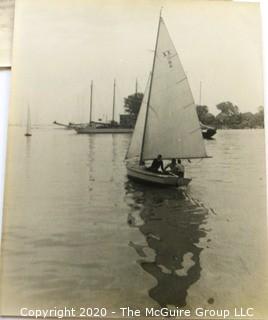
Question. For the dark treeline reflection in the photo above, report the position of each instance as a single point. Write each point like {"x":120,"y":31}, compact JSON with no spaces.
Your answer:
{"x":172,"y":223}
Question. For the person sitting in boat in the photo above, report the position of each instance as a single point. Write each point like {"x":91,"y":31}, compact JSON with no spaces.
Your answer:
{"x":176,"y":168}
{"x":172,"y":166}
{"x":180,"y":167}
{"x":156,"y":164}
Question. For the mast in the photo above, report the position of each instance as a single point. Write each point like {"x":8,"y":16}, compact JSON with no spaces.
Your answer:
{"x":28,"y":126}
{"x":113,"y":102}
{"x":136,"y":87}
{"x":150,"y":89}
{"x":91,"y":99}
{"x":28,"y":120}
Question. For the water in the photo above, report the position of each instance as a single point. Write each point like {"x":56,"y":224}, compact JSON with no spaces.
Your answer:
{"x":77,"y":232}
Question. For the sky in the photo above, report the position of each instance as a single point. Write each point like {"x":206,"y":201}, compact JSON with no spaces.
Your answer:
{"x":61,"y":45}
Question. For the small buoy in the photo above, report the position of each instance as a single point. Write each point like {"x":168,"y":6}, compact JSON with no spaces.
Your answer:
{"x":210,"y":300}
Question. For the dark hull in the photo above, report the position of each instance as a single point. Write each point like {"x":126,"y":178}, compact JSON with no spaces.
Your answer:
{"x":87,"y":130}
{"x":208,"y":133}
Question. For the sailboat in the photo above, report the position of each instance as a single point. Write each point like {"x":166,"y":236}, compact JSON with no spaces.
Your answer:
{"x":167,"y":122}
{"x":28,"y":126}
{"x":207,"y":131}
{"x":94,"y":127}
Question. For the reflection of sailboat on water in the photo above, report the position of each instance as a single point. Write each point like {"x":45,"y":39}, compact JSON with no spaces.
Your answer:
{"x":167,"y":123}
{"x":28,"y":126}
{"x":173,"y":224}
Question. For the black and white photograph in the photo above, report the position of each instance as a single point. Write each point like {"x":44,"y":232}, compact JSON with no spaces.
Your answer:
{"x":135,"y":179}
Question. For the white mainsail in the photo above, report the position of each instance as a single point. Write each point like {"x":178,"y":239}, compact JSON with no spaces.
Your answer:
{"x":171,"y":127}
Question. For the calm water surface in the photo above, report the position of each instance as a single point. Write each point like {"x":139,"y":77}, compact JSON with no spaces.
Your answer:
{"x":77,"y":232}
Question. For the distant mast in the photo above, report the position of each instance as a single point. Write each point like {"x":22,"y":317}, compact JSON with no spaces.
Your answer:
{"x":136,"y":87}
{"x":91,"y":99}
{"x":113,"y":102}
{"x":200,"y":93}
{"x":28,"y":127}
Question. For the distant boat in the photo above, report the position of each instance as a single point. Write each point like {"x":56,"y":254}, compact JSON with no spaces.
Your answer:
{"x":28,"y":126}
{"x":207,"y":131}
{"x":167,"y":122}
{"x":70,"y":125}
{"x":94,"y":127}
{"x":102,"y":129}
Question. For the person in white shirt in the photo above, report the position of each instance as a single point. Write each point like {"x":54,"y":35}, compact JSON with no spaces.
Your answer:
{"x":180,"y":168}
{"x":175,"y":168}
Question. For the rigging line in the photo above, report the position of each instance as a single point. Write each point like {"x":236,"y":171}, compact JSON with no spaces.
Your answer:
{"x":193,"y":131}
{"x":156,"y":114}
{"x":188,"y":105}
{"x":185,"y":78}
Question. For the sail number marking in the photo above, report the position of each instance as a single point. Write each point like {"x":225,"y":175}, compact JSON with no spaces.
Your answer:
{"x":167,"y":54}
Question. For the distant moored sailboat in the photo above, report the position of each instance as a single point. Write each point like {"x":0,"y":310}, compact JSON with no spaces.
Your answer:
{"x":95,"y":127}
{"x":28,"y":127}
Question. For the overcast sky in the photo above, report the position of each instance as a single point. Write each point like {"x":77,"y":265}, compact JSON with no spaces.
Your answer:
{"x":61,"y":45}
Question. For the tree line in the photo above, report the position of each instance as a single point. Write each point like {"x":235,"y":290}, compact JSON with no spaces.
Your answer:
{"x":229,"y":116}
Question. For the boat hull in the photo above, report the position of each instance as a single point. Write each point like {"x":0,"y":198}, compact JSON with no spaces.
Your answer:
{"x":70,"y":126}
{"x":102,"y":130}
{"x":139,"y":173}
{"x":209,"y":133}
